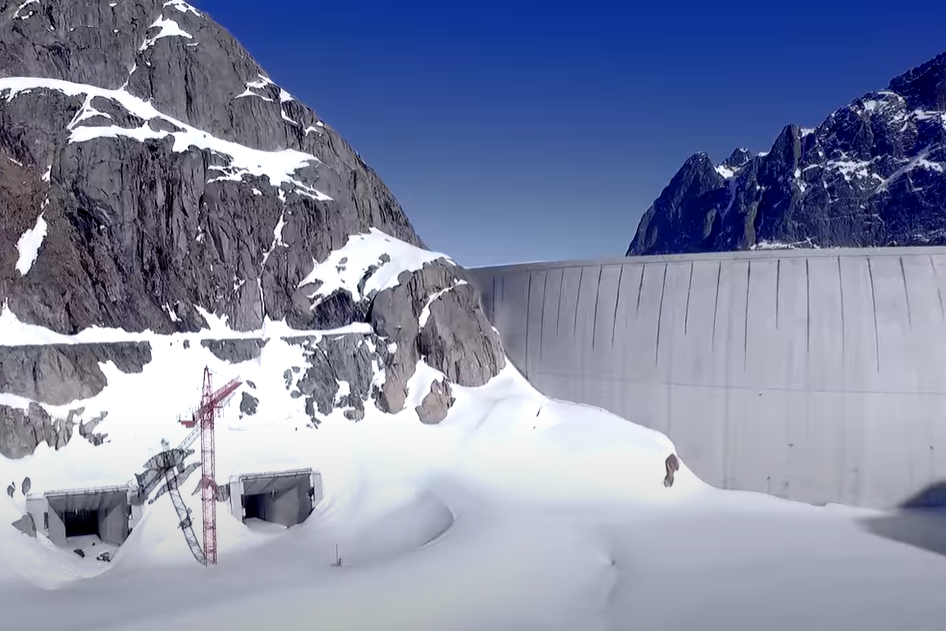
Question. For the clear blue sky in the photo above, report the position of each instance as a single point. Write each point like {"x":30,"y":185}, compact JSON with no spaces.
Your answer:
{"x":523,"y":130}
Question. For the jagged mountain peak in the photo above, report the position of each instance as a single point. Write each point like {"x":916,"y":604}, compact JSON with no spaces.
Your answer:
{"x":871,"y":174}
{"x":923,"y":87}
{"x":155,"y":182}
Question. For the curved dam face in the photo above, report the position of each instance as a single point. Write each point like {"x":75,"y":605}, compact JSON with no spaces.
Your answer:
{"x":817,"y":376}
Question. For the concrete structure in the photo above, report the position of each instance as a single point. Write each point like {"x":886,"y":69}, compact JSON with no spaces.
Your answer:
{"x":812,"y":375}
{"x":279,"y":497}
{"x":106,"y":512}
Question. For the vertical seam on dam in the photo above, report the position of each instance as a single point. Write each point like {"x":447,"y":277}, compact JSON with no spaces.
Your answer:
{"x":843,"y":323}
{"x":719,"y":273}
{"x":545,"y":297}
{"x":558,"y":313}
{"x":939,"y":292}
{"x":906,"y":293}
{"x":492,"y":306}
{"x":528,"y":320}
{"x":873,"y":301}
{"x":686,"y":315}
{"x":640,"y":288}
{"x":581,"y":277}
{"x":594,"y":322}
{"x":778,"y":289}
{"x":660,"y":311}
{"x":745,"y":330}
{"x":807,"y":309}
{"x":617,"y":303}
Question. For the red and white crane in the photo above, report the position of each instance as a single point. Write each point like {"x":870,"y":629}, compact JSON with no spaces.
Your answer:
{"x":211,"y":403}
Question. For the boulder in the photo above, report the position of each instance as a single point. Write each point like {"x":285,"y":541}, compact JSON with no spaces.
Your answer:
{"x":436,"y":404}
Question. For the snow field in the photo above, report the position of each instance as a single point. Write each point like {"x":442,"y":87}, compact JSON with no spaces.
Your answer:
{"x":517,"y":512}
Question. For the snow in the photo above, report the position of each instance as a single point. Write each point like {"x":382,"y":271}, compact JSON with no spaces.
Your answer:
{"x":284,"y":97}
{"x":13,"y":332}
{"x":277,"y":236}
{"x":259,"y":84}
{"x":854,"y":168}
{"x":781,"y":245}
{"x":169,"y":28}
{"x":277,"y":166}
{"x":725,"y":171}
{"x":249,"y":92}
{"x":85,"y":113}
{"x":22,"y":6}
{"x":919,"y":162}
{"x":29,"y":244}
{"x":183,"y":7}
{"x":345,"y":267}
{"x":517,"y":512}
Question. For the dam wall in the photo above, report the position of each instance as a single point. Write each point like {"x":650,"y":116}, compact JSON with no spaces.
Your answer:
{"x":815,"y":375}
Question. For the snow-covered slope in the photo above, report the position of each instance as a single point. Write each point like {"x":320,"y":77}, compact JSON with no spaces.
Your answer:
{"x":517,"y":512}
{"x":166,"y":207}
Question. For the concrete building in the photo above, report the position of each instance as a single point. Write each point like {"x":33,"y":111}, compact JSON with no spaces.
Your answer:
{"x":279,"y":497}
{"x":111,"y":513}
{"x":812,"y":375}
{"x":108,"y":513}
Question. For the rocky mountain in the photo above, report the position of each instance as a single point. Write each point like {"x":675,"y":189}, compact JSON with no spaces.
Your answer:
{"x":154,"y":178}
{"x":872,"y":174}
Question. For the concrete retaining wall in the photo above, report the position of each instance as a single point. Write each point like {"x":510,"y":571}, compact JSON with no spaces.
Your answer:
{"x":818,"y":375}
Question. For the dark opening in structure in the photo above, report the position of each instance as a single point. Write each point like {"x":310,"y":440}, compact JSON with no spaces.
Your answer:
{"x":284,"y":499}
{"x":104,"y":513}
{"x":81,"y":523}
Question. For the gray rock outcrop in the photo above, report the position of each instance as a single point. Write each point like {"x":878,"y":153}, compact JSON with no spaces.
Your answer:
{"x":235,"y":351}
{"x":21,"y":431}
{"x":457,"y":339}
{"x":437,"y":403}
{"x":248,"y":404}
{"x":140,"y":233}
{"x":332,"y":360}
{"x":58,"y":374}
{"x":163,"y":218}
{"x":26,"y":525}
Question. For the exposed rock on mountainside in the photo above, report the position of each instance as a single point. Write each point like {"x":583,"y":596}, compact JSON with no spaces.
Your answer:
{"x":872,"y":174}
{"x":437,"y":403}
{"x":153,"y":178}
{"x":60,"y":373}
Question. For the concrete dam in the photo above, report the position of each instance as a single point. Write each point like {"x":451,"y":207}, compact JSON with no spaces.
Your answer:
{"x":815,"y":375}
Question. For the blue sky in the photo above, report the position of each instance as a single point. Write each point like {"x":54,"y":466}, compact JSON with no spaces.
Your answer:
{"x":511,"y":133}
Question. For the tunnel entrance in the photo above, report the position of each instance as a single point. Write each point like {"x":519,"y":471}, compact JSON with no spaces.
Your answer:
{"x":283,"y":498}
{"x":81,"y":523}
{"x":104,"y":514}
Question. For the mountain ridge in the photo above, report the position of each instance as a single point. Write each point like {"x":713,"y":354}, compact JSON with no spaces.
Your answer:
{"x":155,"y":180}
{"x":871,"y":174}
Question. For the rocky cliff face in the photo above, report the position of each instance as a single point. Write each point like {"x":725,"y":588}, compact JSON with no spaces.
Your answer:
{"x":152,"y":175}
{"x":872,"y":174}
